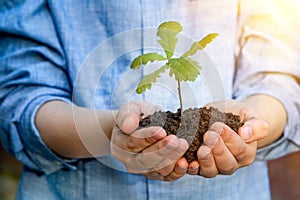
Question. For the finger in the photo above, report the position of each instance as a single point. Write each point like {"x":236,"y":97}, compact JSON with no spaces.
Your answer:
{"x":154,"y":175}
{"x":224,"y":160}
{"x":179,"y":170}
{"x":208,"y":167}
{"x":124,"y":145}
{"x":128,"y":117}
{"x":247,"y":113}
{"x":165,"y":171}
{"x":138,"y":140}
{"x":154,"y":154}
{"x":254,"y":129}
{"x":173,"y":156}
{"x":242,"y":152}
{"x":193,"y":168}
{"x":143,"y":138}
{"x":130,"y":114}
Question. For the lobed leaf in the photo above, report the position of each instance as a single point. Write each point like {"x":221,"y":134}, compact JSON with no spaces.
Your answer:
{"x":184,"y":69}
{"x":196,"y":46}
{"x":145,"y":58}
{"x":167,"y":32}
{"x":146,"y":82}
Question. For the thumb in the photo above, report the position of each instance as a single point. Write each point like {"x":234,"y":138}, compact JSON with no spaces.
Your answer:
{"x":128,"y":117}
{"x":254,"y":129}
{"x":130,"y":114}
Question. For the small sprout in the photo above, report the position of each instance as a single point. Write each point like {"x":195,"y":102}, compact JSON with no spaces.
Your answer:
{"x":183,"y":68}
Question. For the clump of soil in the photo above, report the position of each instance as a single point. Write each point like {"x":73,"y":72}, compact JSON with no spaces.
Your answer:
{"x":191,"y":125}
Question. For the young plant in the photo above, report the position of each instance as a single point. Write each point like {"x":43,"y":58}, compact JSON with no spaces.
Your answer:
{"x":184,"y":68}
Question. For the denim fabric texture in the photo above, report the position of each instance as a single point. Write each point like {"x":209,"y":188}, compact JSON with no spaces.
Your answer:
{"x":79,"y":51}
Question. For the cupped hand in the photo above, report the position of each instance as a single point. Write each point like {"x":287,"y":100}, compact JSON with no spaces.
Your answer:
{"x":148,"y":151}
{"x":225,"y":151}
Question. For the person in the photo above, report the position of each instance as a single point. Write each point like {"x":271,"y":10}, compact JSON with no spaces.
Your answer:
{"x":70,"y":115}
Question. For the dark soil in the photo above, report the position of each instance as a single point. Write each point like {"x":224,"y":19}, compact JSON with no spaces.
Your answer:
{"x":191,"y":125}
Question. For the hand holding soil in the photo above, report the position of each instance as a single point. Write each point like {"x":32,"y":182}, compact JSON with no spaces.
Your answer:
{"x":225,"y":151}
{"x":151,"y":152}
{"x":147,"y":151}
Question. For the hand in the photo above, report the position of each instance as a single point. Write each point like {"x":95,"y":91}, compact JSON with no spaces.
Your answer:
{"x":147,"y":151}
{"x":224,"y":151}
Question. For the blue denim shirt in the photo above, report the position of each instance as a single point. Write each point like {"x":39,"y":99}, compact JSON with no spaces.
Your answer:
{"x":79,"y":51}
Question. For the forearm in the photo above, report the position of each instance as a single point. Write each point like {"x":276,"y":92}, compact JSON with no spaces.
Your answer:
{"x":75,"y":132}
{"x":273,"y":112}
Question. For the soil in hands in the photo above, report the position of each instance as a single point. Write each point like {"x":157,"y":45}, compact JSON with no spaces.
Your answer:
{"x":191,"y":125}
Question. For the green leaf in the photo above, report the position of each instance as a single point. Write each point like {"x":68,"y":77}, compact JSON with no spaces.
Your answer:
{"x":146,"y":82}
{"x":145,"y":58}
{"x":184,"y":69}
{"x":167,"y":32}
{"x":200,"y":44}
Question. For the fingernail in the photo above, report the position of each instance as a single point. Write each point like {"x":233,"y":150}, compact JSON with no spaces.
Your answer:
{"x":205,"y":153}
{"x":246,"y":132}
{"x":211,"y":141}
{"x":128,"y":125}
{"x":181,"y":169}
{"x":172,"y":142}
{"x":183,"y":144}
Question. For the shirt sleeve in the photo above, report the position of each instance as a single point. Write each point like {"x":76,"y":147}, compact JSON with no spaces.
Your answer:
{"x":268,"y":63}
{"x":33,"y":71}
